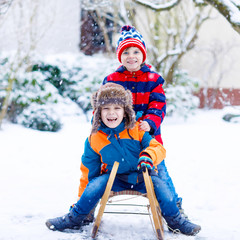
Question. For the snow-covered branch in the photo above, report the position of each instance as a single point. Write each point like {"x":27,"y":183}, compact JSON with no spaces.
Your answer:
{"x":4,"y":6}
{"x":158,"y":6}
{"x":230,"y":9}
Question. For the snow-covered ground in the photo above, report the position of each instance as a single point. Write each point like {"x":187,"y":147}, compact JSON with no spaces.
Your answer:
{"x":39,"y":176}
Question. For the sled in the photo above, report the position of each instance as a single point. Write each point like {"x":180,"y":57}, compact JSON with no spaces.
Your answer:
{"x":154,"y":205}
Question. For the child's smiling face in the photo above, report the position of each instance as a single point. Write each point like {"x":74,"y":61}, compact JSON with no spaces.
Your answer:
{"x":112,"y":115}
{"x":132,"y":58}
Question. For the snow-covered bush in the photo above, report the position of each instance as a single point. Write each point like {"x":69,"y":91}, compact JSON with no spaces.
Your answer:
{"x":40,"y":117}
{"x":180,"y":95}
{"x":39,"y":88}
{"x":79,"y":77}
{"x":30,"y":93}
{"x":37,"y":99}
{"x":52,"y":81}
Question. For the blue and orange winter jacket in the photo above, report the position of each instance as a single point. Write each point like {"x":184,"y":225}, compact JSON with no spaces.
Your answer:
{"x":149,"y":99}
{"x":125,"y":146}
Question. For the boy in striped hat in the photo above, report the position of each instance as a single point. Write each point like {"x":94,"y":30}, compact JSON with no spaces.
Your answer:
{"x":149,"y":99}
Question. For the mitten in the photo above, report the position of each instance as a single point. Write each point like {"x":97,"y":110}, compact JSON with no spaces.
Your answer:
{"x":145,"y":162}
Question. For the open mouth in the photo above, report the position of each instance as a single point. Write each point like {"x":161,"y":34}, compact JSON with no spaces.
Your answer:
{"x":131,"y":61}
{"x":112,"y":119}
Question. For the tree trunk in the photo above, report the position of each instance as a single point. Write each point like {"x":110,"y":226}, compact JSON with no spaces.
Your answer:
{"x":6,"y":100}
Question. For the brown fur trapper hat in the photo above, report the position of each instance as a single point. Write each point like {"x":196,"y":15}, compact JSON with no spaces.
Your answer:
{"x":112,"y":93}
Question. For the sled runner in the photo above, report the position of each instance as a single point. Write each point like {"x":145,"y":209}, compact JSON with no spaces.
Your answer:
{"x":154,"y":205}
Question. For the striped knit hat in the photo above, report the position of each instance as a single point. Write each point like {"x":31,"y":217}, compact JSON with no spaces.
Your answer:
{"x":130,"y":37}
{"x":112,"y":93}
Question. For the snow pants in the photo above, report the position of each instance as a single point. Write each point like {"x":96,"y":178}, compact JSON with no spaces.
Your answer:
{"x":95,"y":190}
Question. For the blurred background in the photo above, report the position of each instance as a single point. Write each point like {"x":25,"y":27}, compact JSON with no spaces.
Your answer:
{"x":56,"y":52}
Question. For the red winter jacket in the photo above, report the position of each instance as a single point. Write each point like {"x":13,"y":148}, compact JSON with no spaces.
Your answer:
{"x":149,"y":99}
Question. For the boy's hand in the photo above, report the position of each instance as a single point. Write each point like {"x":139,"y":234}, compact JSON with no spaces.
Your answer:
{"x":144,"y":126}
{"x":145,"y":162}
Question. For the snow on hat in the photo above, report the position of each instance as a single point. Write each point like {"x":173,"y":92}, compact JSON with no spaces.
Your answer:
{"x":130,"y":37}
{"x":112,"y":93}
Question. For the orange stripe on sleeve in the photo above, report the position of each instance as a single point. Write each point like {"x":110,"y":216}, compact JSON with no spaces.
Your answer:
{"x":83,"y":180}
{"x":156,"y":151}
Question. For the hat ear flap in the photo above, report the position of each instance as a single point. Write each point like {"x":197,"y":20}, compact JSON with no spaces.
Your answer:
{"x":130,"y":117}
{"x":96,"y":120}
{"x":94,"y":100}
{"x":129,"y":101}
{"x":130,"y":113}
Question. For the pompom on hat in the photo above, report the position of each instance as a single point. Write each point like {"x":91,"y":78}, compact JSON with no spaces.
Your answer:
{"x":112,"y":93}
{"x":130,"y":37}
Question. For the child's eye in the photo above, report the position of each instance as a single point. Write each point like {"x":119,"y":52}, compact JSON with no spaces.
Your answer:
{"x":125,"y":53}
{"x":136,"y":52}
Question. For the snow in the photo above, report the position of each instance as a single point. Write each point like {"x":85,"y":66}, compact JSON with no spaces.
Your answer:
{"x":39,"y":176}
{"x":233,"y":7}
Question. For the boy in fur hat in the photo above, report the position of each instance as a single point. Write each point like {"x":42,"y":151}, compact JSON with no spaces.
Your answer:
{"x":149,"y":101}
{"x":116,"y":137}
